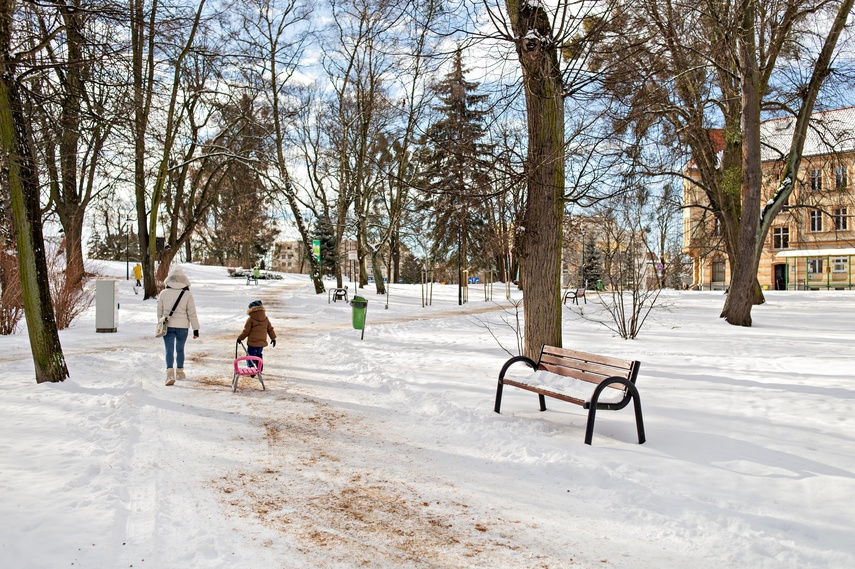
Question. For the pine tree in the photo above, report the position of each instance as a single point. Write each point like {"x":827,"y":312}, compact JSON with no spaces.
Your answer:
{"x":325,"y":232}
{"x":592,"y":265}
{"x":454,"y":164}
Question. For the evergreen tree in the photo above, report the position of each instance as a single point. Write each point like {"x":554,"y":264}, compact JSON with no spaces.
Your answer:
{"x":240,"y":227}
{"x":454,"y":165}
{"x":592,"y":264}
{"x":325,"y":233}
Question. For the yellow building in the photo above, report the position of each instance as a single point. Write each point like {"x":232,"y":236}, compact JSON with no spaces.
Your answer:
{"x":811,"y":244}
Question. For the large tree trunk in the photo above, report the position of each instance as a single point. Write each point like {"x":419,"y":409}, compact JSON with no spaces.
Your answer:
{"x":379,"y":284}
{"x":143,"y":69}
{"x":68,"y":146}
{"x":539,"y":238}
{"x":754,"y":227}
{"x":741,"y":294}
{"x":24,"y":188}
{"x":165,"y":263}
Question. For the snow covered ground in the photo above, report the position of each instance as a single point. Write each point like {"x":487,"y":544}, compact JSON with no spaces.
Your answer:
{"x":385,"y":452}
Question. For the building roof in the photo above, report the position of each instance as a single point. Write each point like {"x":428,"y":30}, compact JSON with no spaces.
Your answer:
{"x":845,"y":252}
{"x":829,"y":132}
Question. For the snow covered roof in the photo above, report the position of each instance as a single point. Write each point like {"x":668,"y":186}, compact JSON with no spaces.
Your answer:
{"x":829,"y":132}
{"x":818,"y":252}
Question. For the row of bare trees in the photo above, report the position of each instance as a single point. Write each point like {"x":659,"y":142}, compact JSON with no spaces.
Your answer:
{"x":186,"y":117}
{"x":673,"y":72}
{"x":136,"y":103}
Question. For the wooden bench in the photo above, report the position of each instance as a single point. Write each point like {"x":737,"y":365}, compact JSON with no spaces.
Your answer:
{"x":589,"y":380}
{"x":575,"y":295}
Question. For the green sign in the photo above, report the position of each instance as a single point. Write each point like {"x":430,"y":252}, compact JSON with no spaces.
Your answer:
{"x":316,"y":249}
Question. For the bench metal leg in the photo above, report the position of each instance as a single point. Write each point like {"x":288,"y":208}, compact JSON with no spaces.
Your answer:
{"x":498,"y":405}
{"x":589,"y":430}
{"x":639,"y":422}
{"x":636,"y":402}
{"x":542,"y":402}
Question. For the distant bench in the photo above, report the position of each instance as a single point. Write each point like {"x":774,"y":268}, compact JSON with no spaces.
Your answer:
{"x":575,"y":295}
{"x":589,"y":380}
{"x":337,"y":294}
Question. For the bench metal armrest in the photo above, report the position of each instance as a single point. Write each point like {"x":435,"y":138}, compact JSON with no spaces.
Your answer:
{"x":526,"y":360}
{"x":516,"y":359}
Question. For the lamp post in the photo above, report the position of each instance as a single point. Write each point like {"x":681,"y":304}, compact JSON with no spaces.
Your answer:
{"x":127,"y":248}
{"x":582,"y":261}
{"x":128,"y":245}
{"x":459,"y":268}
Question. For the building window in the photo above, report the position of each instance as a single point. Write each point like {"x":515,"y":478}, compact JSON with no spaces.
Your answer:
{"x":815,"y":220}
{"x":839,"y":265}
{"x":815,"y":266}
{"x":718,"y":271}
{"x":816,"y":180}
{"x":841,"y":222}
{"x":780,"y":237}
{"x":716,"y":230}
{"x":840,"y":177}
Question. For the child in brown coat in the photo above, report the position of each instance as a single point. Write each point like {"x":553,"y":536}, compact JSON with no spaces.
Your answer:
{"x":256,"y":330}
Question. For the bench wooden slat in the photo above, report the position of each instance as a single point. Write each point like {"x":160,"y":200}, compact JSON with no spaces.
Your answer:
{"x":584,"y":356}
{"x":594,"y":370}
{"x":580,"y":374}
{"x":562,"y":396}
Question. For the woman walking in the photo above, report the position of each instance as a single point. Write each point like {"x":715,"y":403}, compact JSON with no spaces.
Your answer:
{"x":176,"y":297}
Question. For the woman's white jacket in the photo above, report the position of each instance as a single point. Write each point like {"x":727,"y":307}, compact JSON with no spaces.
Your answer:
{"x":185,"y":313}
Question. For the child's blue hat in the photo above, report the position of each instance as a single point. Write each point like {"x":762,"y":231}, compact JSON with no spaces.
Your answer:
{"x":254,"y":303}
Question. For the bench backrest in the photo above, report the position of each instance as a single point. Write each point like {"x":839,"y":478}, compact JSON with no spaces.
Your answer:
{"x":592,"y":368}
{"x":580,"y":292}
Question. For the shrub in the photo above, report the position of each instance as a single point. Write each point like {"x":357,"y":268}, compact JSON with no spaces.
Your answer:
{"x":69,"y":301}
{"x":11,"y":302}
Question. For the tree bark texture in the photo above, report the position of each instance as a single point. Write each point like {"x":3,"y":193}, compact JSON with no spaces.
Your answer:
{"x":24,"y":188}
{"x":538,"y":241}
{"x":142,"y":39}
{"x":71,"y":203}
{"x":743,"y":279}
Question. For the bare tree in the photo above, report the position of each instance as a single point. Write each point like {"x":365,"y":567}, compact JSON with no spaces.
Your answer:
{"x":272,"y":40}
{"x":553,"y":47}
{"x":358,"y":68}
{"x":705,"y":64}
{"x":634,"y":288}
{"x":16,"y":142}
{"x":75,"y":104}
{"x":756,"y":64}
{"x":11,"y":303}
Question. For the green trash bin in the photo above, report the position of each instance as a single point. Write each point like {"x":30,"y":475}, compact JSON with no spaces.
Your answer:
{"x":359,"y":305}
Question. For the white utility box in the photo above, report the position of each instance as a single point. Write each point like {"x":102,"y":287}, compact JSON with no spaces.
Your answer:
{"x":106,"y":306}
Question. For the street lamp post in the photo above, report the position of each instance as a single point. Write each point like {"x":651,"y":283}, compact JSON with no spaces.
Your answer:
{"x":582,"y":282}
{"x":459,"y":268}
{"x":127,"y":249}
{"x":128,"y":245}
